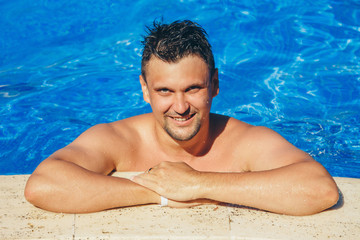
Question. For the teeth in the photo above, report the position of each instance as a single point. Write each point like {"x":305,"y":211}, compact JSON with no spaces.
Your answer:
{"x":181,"y":119}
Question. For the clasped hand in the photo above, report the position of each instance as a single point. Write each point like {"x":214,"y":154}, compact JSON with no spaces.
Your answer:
{"x":174,"y":180}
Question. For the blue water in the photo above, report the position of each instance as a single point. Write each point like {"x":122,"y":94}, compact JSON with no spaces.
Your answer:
{"x":290,"y":65}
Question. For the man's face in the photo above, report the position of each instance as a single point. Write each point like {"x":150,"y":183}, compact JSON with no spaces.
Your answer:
{"x":180,"y":94}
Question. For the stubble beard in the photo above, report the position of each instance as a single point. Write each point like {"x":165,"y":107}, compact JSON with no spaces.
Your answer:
{"x":183,"y":134}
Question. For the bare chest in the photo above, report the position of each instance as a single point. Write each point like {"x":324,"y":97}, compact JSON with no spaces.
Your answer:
{"x":220,"y":158}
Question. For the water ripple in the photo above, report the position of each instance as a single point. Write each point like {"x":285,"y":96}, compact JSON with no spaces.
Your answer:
{"x":291,"y":66}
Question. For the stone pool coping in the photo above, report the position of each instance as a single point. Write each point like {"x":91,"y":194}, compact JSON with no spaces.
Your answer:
{"x":21,"y":220}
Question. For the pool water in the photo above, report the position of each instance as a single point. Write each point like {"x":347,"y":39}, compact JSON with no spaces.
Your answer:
{"x":292,"y":66}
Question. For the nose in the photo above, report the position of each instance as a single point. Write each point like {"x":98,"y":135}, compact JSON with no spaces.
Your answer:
{"x":180,"y":106}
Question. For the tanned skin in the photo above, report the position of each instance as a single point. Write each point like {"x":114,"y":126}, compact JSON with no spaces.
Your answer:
{"x":195,"y":157}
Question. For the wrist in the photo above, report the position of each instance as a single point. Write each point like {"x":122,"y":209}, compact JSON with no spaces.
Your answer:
{"x":203,"y":185}
{"x":149,"y":196}
{"x":163,"y":201}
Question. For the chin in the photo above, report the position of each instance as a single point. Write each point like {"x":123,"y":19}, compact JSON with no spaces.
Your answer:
{"x":182,"y":137}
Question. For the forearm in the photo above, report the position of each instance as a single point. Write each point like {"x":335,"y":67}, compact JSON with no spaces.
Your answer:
{"x":278,"y":190}
{"x":66,"y":187}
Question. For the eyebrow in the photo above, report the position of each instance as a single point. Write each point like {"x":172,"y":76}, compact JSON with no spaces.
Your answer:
{"x":200,"y":85}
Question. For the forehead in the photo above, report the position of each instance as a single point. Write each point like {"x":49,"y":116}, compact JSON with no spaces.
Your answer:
{"x":188,"y":69}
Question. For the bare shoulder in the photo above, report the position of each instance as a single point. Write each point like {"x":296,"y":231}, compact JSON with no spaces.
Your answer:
{"x":121,"y":127}
{"x":260,"y":147}
{"x":119,"y":134}
{"x":103,"y":146}
{"x":132,"y":128}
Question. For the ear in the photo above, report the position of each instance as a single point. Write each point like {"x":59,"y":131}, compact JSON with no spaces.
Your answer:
{"x":215,"y":83}
{"x":144,"y":89}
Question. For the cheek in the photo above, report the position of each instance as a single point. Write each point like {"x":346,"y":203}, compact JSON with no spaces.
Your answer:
{"x":160,"y":104}
{"x":200,"y":101}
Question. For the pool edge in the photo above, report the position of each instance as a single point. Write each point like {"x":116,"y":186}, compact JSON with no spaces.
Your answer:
{"x":21,"y":220}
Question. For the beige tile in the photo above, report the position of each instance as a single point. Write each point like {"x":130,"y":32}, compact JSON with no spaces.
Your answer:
{"x":13,"y":184}
{"x":154,"y":222}
{"x":349,"y":207}
{"x":32,"y":223}
{"x":12,"y":191}
{"x":20,"y":220}
{"x":257,"y":224}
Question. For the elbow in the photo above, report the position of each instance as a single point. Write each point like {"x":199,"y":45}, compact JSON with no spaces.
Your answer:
{"x":330,"y":196}
{"x":317,"y":198}
{"x":33,"y":191}
{"x":324,"y":197}
{"x":30,"y":192}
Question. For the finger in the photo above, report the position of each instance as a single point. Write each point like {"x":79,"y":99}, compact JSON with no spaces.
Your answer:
{"x":145,"y":180}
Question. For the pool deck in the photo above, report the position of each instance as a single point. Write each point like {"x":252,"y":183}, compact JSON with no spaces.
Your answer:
{"x":21,"y":220}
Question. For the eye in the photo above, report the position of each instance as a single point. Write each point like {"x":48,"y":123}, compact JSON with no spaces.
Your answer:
{"x":163,"y":91}
{"x":193,"y":89}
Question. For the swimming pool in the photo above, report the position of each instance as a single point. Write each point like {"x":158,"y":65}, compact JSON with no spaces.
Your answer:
{"x":291,"y":66}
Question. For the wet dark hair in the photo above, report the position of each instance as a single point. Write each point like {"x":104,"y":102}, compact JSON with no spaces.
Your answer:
{"x":172,"y":42}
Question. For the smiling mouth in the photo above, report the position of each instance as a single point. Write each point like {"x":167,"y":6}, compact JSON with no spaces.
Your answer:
{"x":183,"y":119}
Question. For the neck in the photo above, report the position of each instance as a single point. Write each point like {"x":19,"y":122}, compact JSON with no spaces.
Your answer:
{"x":197,"y":146}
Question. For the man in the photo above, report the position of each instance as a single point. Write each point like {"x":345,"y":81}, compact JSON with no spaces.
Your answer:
{"x":189,"y":156}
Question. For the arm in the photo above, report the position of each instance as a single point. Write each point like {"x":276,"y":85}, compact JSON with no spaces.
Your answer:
{"x":278,"y":190}
{"x":62,"y":186}
{"x":296,"y":189}
{"x":280,"y":179}
{"x":74,"y":179}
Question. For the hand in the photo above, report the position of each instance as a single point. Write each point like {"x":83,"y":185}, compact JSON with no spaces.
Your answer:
{"x":174,"y":180}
